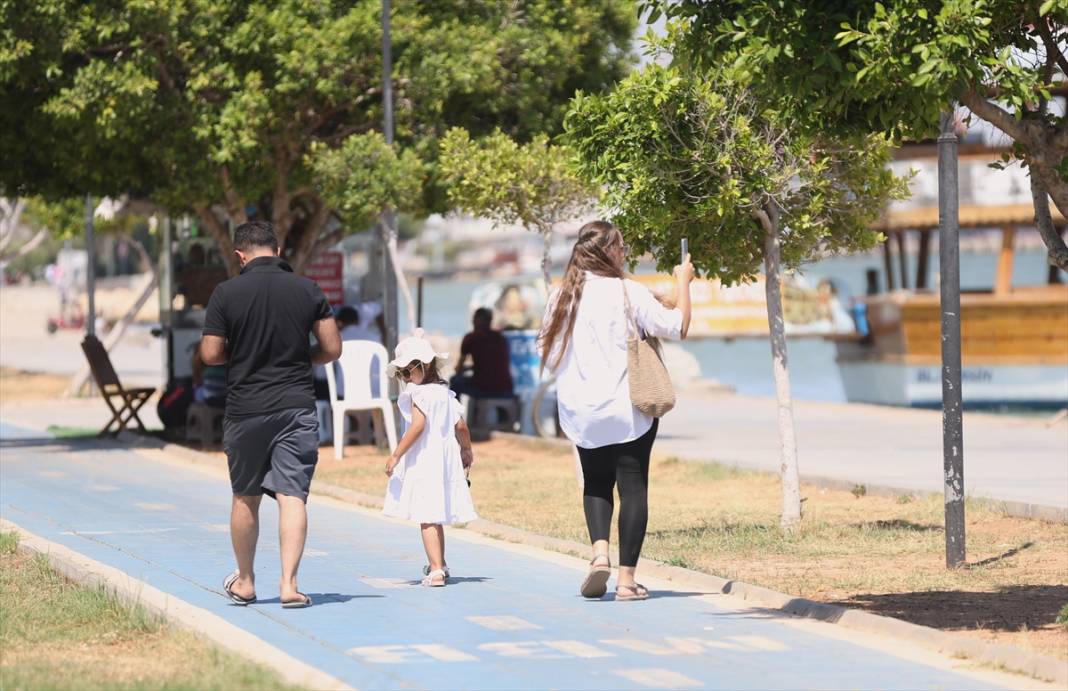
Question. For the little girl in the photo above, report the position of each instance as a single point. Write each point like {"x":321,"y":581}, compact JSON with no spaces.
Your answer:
{"x":427,"y":483}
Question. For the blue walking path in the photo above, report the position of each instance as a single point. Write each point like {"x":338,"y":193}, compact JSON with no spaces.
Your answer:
{"x":511,"y":617}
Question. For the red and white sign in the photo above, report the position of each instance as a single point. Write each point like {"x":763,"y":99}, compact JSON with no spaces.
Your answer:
{"x":328,"y":270}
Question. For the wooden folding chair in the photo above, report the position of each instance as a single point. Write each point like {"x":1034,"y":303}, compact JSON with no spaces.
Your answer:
{"x":129,"y":400}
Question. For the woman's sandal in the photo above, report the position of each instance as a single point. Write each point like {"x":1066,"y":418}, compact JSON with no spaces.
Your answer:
{"x":626,"y":593}
{"x":596,"y":583}
{"x":431,"y":580}
{"x":426,"y":570}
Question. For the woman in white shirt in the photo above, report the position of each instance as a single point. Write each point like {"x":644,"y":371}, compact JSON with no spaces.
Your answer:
{"x":584,"y":342}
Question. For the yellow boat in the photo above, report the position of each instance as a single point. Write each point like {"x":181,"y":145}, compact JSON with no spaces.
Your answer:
{"x":1014,"y":341}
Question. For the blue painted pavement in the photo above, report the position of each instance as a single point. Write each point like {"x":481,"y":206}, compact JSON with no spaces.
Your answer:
{"x":510,"y":618}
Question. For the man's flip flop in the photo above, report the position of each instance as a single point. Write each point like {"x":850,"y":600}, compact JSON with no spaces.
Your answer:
{"x":234,"y":597}
{"x":298,"y":604}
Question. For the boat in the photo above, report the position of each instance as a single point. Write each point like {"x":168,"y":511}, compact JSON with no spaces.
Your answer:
{"x":1014,"y":340}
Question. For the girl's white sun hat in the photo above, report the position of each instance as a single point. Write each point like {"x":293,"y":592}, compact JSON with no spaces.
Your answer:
{"x":415,"y":348}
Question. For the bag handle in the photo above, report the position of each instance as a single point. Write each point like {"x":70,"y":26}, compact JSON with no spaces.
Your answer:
{"x":632,"y":325}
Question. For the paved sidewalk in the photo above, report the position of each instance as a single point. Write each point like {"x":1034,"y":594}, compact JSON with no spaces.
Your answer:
{"x":510,"y":618}
{"x":1010,"y":458}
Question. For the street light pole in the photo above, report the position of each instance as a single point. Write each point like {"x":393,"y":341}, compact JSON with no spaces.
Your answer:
{"x":952,"y":400}
{"x":90,"y":268}
{"x":387,"y":224}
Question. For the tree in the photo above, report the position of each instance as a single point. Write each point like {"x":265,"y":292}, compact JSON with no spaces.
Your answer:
{"x":532,"y":184}
{"x":894,"y":66}
{"x":41,"y":225}
{"x":688,"y":154}
{"x":10,"y":223}
{"x":223,"y":108}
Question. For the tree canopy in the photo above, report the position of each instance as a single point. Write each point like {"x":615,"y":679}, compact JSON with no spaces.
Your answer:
{"x":533,"y":184}
{"x":684,"y":154}
{"x":893,"y":66}
{"x":206,"y":105}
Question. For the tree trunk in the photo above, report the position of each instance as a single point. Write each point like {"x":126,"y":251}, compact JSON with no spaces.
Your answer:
{"x":791,"y":484}
{"x":222,"y":238}
{"x":9,"y":223}
{"x":1043,"y":148}
{"x":307,"y":247}
{"x":32,"y":244}
{"x":1058,"y":251}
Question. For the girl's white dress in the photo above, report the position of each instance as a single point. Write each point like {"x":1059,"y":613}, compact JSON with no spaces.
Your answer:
{"x":428,"y":484}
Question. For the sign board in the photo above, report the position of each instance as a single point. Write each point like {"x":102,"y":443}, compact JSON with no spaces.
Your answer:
{"x":741,"y":310}
{"x":524,"y":359}
{"x":328,"y":270}
{"x":719,"y":311}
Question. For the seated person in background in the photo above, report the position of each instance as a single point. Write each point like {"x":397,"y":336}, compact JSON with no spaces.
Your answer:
{"x":489,"y":374}
{"x":358,"y":323}
{"x":354,"y":324}
{"x":209,"y":382}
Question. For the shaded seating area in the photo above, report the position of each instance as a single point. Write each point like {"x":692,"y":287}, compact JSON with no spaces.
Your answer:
{"x":123,"y":402}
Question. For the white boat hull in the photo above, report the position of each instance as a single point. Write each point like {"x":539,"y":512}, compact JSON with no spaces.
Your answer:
{"x":900,"y":384}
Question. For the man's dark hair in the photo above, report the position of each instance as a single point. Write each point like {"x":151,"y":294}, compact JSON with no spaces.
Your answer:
{"x":483,"y":317}
{"x":254,"y":234}
{"x":348,"y":316}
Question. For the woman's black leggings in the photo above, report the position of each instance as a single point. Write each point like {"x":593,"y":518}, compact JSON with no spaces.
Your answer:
{"x":626,"y":465}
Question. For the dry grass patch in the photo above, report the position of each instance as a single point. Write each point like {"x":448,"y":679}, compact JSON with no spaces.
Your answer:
{"x":882,"y":554}
{"x":55,"y":634}
{"x":16,"y":385}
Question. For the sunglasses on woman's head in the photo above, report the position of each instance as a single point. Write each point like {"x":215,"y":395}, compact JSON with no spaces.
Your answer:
{"x":406,"y":372}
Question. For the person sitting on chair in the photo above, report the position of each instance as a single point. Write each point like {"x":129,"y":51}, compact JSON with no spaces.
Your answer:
{"x":209,"y":381}
{"x":489,"y":375}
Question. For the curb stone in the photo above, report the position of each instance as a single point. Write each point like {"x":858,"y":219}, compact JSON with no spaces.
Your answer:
{"x":81,"y":569}
{"x":1015,"y":509}
{"x":1037,"y":665}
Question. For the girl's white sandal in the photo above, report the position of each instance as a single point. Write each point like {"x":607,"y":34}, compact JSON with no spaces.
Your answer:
{"x":430,"y":580}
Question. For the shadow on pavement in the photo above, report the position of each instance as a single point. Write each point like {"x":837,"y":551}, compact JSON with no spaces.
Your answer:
{"x":456,"y":580}
{"x":1009,"y":608}
{"x":319,"y":599}
{"x":67,"y":444}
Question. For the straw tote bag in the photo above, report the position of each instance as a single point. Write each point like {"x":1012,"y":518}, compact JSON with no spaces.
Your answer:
{"x":651,"y":391}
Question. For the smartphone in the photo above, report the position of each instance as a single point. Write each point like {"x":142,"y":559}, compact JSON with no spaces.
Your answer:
{"x":685,"y":248}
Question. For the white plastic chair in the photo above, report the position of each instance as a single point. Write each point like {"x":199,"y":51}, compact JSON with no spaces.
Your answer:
{"x":356,"y":362}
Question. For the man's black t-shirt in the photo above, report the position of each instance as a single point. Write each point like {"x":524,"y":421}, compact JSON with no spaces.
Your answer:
{"x":266,"y":314}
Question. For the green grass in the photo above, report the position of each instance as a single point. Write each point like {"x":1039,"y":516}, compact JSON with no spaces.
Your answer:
{"x":9,"y":542}
{"x":55,"y":634}
{"x":64,"y":432}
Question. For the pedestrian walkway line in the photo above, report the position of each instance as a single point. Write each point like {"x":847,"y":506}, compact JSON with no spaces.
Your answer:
{"x":658,"y":678}
{"x":434,"y":636}
{"x":503,"y":623}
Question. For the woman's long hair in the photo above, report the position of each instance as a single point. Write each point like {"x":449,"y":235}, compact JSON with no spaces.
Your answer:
{"x":589,"y":254}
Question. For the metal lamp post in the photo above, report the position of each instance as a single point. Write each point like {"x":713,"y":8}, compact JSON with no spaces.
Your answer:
{"x":387,"y":224}
{"x":952,"y":403}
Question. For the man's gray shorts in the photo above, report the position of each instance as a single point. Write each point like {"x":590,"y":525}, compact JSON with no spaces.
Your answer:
{"x":272,"y":453}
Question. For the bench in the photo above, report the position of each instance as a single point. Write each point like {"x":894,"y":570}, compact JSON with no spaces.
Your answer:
{"x":124,"y":403}
{"x":485,"y":414}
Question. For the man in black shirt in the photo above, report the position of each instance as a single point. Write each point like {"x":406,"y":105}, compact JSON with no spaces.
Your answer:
{"x":257,"y":323}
